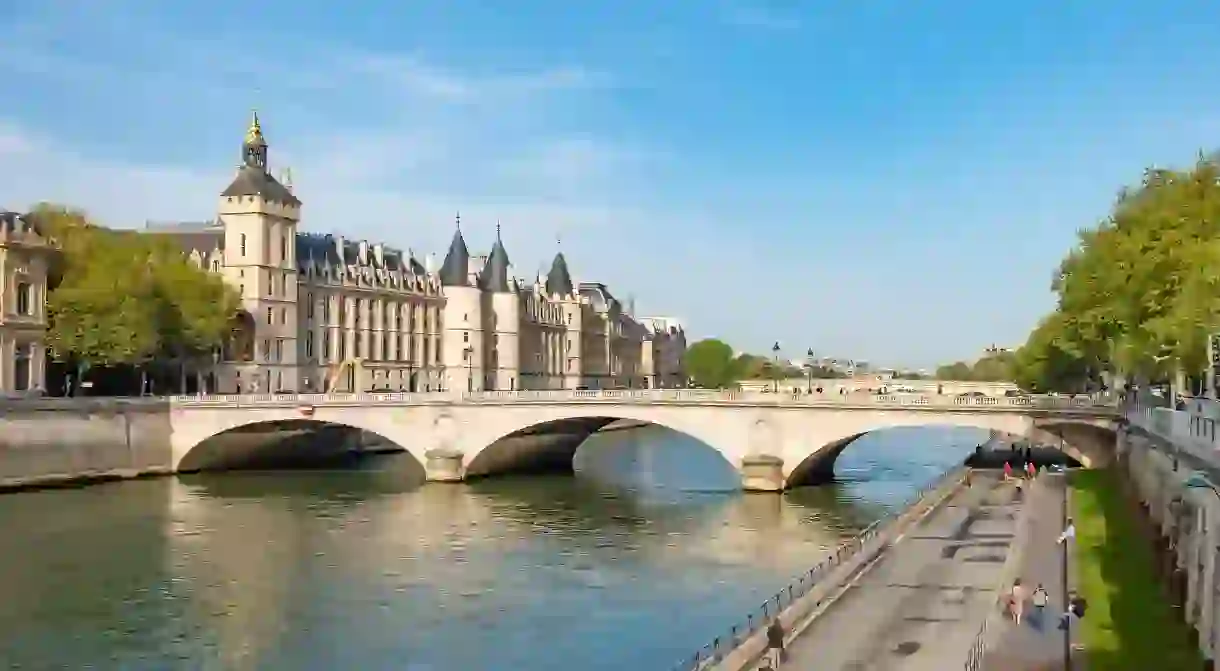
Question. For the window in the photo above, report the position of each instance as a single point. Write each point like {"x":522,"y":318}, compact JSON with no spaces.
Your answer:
{"x":309,"y":344}
{"x":283,"y":249}
{"x":270,"y":315}
{"x":342,"y":347}
{"x":243,"y":244}
{"x":361,"y":346}
{"x":465,"y":336}
{"x":25,"y":298}
{"x":359,"y":307}
{"x":216,"y":266}
{"x":267,"y":349}
{"x":283,"y":315}
{"x":325,"y":353}
{"x":326,"y":309}
{"x":279,"y":349}
{"x":466,"y":317}
{"x":309,"y":306}
{"x":23,"y":366}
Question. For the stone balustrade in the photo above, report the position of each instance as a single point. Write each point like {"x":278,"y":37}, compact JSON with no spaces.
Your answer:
{"x":647,"y":396}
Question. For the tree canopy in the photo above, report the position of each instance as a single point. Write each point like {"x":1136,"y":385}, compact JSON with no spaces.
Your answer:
{"x":120,"y":297}
{"x":992,"y":367}
{"x":712,"y":364}
{"x":1141,"y":290}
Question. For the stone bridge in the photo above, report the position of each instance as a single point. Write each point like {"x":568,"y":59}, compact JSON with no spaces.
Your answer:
{"x":775,"y":441}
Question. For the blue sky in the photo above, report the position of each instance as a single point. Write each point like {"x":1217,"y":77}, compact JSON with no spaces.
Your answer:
{"x":881,"y":179}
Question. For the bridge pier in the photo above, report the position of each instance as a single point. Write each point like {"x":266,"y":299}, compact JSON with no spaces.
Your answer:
{"x":443,"y":465}
{"x":762,"y":473}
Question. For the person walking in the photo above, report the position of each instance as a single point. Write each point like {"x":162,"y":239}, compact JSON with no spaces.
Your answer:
{"x":1069,"y":531}
{"x":1017,"y":600}
{"x":1030,"y":469}
{"x":1007,"y":470}
{"x":1039,"y":598}
{"x":775,"y":642}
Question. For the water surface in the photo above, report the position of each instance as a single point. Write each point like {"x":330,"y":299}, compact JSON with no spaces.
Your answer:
{"x":631,"y":565}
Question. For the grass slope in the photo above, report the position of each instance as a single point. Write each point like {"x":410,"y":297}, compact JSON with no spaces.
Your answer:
{"x":1130,"y":623}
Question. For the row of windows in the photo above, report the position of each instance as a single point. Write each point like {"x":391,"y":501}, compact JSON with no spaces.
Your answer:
{"x":385,"y":347}
{"x":392,"y":315}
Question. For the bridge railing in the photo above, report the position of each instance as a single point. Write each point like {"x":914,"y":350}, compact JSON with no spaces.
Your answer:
{"x":650,"y":396}
{"x":1193,"y":432}
{"x":760,"y":617}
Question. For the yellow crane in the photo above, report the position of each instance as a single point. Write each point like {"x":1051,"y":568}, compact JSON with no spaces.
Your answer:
{"x":337,"y":370}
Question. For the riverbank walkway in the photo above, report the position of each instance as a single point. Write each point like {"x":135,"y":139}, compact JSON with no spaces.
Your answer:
{"x":921,"y":606}
{"x":1035,"y":645}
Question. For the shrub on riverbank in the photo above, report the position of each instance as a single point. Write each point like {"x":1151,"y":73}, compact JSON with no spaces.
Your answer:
{"x":1130,"y":623}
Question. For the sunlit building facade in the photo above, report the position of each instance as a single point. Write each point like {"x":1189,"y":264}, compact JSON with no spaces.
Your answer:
{"x":321,"y":312}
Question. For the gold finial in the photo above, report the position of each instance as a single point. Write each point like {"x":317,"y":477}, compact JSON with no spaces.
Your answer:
{"x":255,"y":131}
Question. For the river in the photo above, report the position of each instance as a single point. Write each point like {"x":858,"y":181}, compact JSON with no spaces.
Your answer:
{"x":633,"y":564}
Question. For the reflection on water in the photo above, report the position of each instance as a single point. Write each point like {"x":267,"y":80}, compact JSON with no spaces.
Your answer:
{"x":633,"y":564}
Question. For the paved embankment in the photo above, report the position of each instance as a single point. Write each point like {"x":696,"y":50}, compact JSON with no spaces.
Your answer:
{"x":1037,"y":643}
{"x":920,"y":606}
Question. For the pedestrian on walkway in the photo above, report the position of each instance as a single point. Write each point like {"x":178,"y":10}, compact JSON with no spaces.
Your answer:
{"x":1069,"y":531}
{"x":1076,"y":607}
{"x":1007,"y":470}
{"x":775,"y":643}
{"x":1016,"y":600}
{"x":1040,"y":598}
{"x":1030,"y":469}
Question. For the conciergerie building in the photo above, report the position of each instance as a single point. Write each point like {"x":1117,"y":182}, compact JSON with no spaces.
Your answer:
{"x":321,"y":312}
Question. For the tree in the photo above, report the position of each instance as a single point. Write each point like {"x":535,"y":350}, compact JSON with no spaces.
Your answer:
{"x":955,"y":371}
{"x":123,"y":298}
{"x":1141,"y":291}
{"x":710,"y":364}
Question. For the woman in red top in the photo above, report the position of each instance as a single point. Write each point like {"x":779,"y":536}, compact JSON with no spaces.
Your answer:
{"x":1007,"y":470}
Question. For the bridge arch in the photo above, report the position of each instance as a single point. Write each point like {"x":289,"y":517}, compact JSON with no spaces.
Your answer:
{"x":545,"y":438}
{"x":222,"y":438}
{"x":816,"y":462}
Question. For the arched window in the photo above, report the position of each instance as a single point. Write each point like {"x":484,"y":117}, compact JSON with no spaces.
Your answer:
{"x":25,"y":298}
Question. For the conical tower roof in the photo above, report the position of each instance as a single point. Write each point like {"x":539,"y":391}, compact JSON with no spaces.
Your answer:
{"x":495,"y":272}
{"x":455,"y":271}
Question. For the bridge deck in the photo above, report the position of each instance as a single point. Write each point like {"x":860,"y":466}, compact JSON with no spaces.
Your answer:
{"x":921,"y":606}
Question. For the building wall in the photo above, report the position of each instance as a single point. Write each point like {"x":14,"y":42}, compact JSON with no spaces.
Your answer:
{"x":24,"y":259}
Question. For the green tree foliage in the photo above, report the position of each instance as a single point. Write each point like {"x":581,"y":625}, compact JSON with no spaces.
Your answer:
{"x":119,"y":297}
{"x":710,"y":364}
{"x":1141,"y":290}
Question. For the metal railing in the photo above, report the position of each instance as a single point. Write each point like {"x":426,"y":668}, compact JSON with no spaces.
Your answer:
{"x":760,"y":617}
{"x":646,"y":396}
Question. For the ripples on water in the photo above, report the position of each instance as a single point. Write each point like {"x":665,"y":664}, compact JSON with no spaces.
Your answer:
{"x":631,"y":569}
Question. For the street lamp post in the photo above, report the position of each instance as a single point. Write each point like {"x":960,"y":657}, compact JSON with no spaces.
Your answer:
{"x":809,"y":369}
{"x":775,"y":371}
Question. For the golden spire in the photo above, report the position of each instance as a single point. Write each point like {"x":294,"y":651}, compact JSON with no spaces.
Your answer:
{"x":255,"y":133}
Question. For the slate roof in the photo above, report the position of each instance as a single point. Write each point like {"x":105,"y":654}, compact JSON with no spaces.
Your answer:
{"x":455,"y":271}
{"x":252,"y":180}
{"x":495,"y":273}
{"x":15,"y":221}
{"x":559,"y":280}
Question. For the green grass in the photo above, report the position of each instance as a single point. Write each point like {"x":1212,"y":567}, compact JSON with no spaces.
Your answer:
{"x":1130,"y":624}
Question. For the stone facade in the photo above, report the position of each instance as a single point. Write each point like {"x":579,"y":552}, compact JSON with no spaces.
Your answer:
{"x":324,"y":313}
{"x":24,"y":259}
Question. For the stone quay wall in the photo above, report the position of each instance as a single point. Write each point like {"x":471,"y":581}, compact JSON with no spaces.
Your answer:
{"x":58,"y":441}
